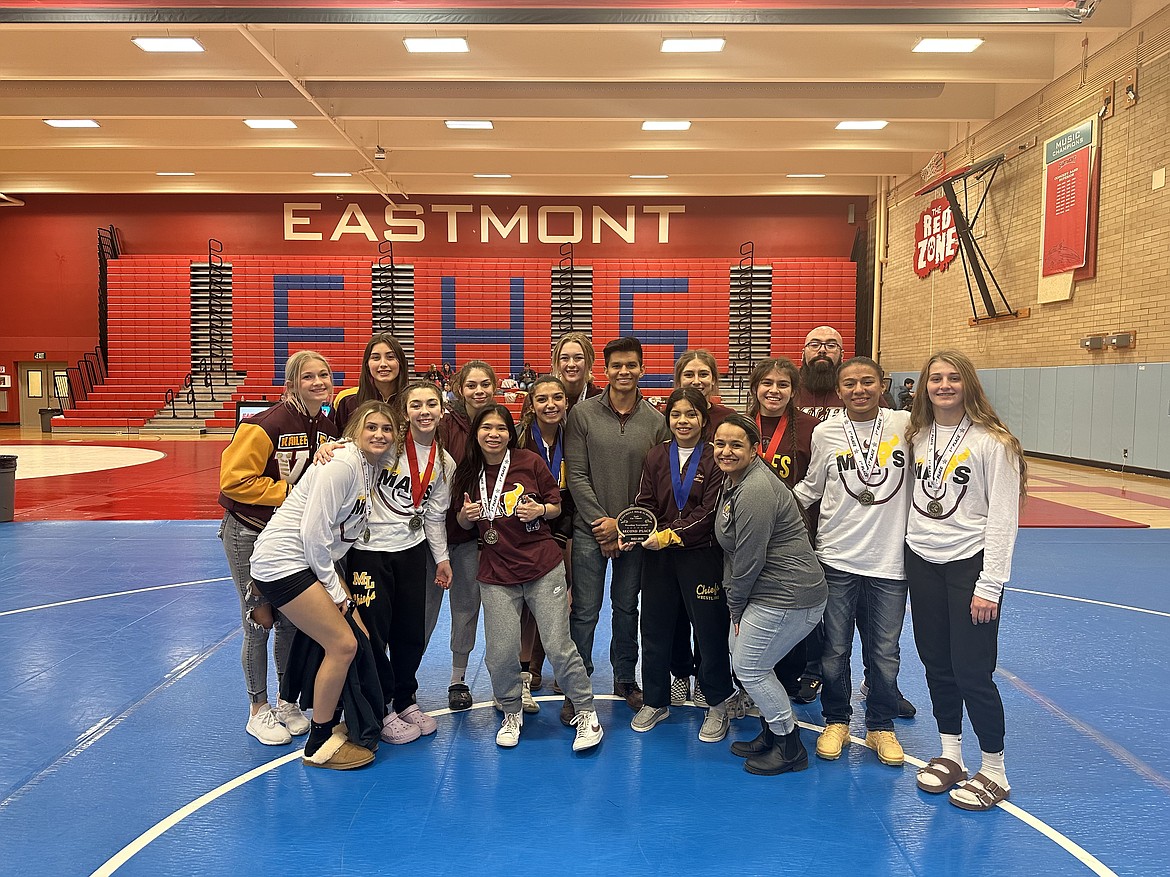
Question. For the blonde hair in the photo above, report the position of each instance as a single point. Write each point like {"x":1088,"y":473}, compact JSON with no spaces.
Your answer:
{"x":975,"y":403}
{"x":292,"y":371}
{"x":586,"y":348}
{"x":357,"y":421}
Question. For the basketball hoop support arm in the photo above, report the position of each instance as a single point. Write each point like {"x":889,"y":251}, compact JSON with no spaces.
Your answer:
{"x":974,"y":262}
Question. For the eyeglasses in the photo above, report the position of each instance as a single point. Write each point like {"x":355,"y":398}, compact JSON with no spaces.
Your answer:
{"x":814,"y":344}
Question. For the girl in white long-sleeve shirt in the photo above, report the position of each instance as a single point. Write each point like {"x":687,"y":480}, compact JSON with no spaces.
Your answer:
{"x":293,"y":567}
{"x":388,"y":574}
{"x":969,"y":478}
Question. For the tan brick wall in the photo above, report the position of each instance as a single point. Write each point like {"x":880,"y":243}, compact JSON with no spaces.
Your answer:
{"x":1130,"y":292}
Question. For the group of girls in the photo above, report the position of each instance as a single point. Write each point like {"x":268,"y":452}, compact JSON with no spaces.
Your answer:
{"x":459,"y":501}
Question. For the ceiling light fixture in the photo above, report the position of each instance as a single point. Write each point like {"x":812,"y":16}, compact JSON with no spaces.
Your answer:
{"x":693,"y":44}
{"x":666,"y":125}
{"x":947,"y":45}
{"x":433,"y":45}
{"x":167,"y":44}
{"x":872,"y":125}
{"x":332,"y":174}
{"x":71,"y":123}
{"x":805,"y":176}
{"x":174,"y":173}
{"x":469,"y":124}
{"x":649,"y":177}
{"x":270,"y":123}
{"x":492,"y":176}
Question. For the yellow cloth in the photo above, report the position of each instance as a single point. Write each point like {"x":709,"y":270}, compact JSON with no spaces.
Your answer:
{"x":666,"y":538}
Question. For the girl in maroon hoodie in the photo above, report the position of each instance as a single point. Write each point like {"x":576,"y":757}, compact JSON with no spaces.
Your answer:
{"x":475,"y":388}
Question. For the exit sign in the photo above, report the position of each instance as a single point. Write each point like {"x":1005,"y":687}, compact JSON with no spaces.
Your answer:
{"x":39,"y":355}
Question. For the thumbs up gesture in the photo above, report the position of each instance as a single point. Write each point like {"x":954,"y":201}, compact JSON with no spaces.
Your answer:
{"x":470,"y":513}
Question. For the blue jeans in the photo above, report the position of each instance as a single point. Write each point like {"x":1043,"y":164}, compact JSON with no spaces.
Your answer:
{"x":588,"y":588}
{"x":767,"y":634}
{"x":878,"y":608}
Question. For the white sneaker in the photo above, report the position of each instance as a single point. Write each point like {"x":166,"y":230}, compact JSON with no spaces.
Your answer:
{"x":530,"y":704}
{"x":589,"y":730}
{"x":265,"y":727}
{"x":290,"y":715}
{"x":509,"y":733}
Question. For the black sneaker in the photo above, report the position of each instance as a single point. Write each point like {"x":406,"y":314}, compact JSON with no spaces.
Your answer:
{"x":906,"y":710}
{"x":810,"y":688}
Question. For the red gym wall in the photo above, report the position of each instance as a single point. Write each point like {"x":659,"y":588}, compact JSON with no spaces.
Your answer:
{"x":666,"y":259}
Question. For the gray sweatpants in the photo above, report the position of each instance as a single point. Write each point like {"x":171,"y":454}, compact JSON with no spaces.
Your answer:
{"x":547,"y":599}
{"x":464,"y":593}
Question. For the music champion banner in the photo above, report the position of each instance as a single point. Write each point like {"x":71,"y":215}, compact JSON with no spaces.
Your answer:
{"x":1068,"y":171}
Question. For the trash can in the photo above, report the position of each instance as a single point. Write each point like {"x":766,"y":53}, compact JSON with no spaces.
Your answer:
{"x":47,"y":415}
{"x":7,"y":487}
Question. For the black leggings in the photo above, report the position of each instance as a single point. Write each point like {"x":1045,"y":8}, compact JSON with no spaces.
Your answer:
{"x":958,"y":654}
{"x":389,"y":589}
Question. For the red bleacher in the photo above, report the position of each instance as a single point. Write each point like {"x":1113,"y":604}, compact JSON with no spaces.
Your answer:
{"x":149,"y":319}
{"x":499,"y":310}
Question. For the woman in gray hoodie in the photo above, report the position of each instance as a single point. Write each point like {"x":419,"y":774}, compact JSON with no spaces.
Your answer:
{"x":775,"y":589}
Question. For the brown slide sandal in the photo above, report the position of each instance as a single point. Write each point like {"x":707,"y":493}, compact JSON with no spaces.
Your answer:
{"x":946,"y":771}
{"x":987,"y":793}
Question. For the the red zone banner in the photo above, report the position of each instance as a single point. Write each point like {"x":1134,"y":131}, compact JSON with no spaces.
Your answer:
{"x":936,"y":241}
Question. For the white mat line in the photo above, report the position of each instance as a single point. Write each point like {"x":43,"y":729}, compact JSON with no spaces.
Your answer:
{"x":1091,"y":602}
{"x":114,"y":594}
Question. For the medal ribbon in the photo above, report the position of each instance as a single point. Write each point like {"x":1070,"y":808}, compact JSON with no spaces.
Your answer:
{"x":865,"y":462}
{"x":492,"y":509}
{"x":558,"y":451}
{"x":938,"y":466}
{"x":682,"y":481}
{"x":418,"y":486}
{"x":774,"y":442}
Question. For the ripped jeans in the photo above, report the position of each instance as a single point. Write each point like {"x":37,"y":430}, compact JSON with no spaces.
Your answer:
{"x":238,"y":542}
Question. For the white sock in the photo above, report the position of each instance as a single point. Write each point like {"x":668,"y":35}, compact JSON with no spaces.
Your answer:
{"x":952,"y":748}
{"x":457,"y":674}
{"x":993,"y":768}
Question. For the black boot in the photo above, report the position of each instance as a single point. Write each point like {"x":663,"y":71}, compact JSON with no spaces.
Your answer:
{"x":758,"y":746}
{"x":787,"y":754}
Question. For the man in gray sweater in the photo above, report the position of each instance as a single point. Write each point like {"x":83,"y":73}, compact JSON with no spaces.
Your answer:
{"x":606,"y":442}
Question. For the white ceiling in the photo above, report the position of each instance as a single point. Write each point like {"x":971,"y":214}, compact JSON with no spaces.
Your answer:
{"x":567,"y":102}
